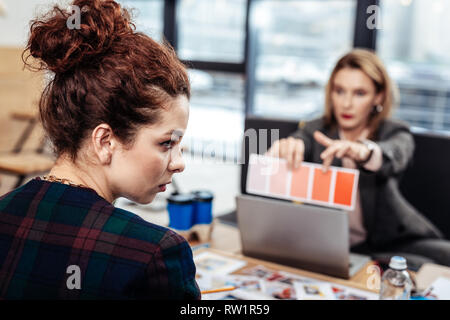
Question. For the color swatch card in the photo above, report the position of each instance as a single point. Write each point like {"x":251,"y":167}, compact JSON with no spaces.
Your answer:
{"x":270,"y":176}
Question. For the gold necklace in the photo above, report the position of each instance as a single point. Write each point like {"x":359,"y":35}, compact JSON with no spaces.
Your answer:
{"x":52,"y":178}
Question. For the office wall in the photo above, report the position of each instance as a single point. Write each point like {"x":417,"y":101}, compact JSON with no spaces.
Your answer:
{"x":14,"y":25}
{"x":19,"y":89}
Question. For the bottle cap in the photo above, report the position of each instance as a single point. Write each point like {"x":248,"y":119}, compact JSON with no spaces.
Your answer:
{"x":397,"y":263}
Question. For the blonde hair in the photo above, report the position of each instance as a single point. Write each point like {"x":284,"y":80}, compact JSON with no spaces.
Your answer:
{"x":373,"y":67}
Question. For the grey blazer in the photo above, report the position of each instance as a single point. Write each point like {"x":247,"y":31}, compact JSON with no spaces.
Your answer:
{"x":388,"y":217}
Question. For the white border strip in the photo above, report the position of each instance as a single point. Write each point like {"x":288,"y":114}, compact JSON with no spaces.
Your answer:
{"x":332,"y":187}
{"x":289,"y":182}
{"x":310,"y":182}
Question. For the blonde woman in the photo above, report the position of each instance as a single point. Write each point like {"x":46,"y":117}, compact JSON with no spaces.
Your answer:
{"x":356,"y":132}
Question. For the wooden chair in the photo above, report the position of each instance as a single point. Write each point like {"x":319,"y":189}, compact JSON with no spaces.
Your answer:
{"x":27,"y":156}
{"x":22,"y":141}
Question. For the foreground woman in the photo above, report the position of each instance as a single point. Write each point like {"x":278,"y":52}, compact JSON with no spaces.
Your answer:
{"x":115,"y":112}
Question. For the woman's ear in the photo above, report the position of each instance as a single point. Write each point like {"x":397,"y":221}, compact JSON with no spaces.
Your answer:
{"x":103,"y":142}
{"x":379,"y":98}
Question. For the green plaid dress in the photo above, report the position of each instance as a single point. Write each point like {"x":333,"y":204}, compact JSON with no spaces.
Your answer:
{"x":64,"y":242}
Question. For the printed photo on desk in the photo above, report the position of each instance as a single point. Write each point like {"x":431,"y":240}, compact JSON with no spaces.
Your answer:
{"x":224,"y":278}
{"x":210,"y":263}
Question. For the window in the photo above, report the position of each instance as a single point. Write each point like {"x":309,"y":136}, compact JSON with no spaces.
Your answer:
{"x":415,"y":46}
{"x":211,"y":30}
{"x":293,"y":46}
{"x":216,"y":119}
{"x":148,"y":16}
{"x":209,"y":33}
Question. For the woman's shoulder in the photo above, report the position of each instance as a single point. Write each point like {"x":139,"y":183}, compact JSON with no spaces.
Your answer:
{"x":389,"y":126}
{"x":312,"y":125}
{"x":40,"y":196}
{"x":136,"y":227}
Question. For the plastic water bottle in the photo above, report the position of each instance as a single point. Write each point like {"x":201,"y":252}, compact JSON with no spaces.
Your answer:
{"x":396,"y":283}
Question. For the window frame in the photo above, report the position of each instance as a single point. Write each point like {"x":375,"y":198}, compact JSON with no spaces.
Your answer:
{"x":363,"y":37}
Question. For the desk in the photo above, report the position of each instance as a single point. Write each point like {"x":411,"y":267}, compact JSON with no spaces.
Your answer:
{"x":225,"y":240}
{"x":223,"y":237}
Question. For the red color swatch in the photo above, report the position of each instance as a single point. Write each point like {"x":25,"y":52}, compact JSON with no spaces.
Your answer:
{"x":344,"y":188}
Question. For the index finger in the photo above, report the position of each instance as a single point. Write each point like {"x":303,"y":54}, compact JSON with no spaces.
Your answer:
{"x":299,"y":151}
{"x":274,"y":150}
{"x":322,"y":139}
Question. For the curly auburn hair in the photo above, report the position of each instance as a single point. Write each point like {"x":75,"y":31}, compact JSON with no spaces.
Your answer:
{"x":104,"y":72}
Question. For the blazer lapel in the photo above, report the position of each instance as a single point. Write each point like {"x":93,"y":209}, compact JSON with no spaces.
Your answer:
{"x":367,"y":194}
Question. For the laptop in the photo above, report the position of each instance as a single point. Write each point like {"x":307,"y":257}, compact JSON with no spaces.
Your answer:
{"x":303,"y":236}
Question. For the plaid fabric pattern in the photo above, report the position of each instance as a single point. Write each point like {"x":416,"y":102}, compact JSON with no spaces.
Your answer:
{"x":45,"y":227}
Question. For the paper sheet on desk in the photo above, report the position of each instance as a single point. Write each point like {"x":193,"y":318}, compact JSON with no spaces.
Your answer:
{"x":439,"y":289}
{"x":210,"y":263}
{"x":270,"y":176}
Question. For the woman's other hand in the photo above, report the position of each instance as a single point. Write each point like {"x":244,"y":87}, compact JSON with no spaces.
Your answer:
{"x":291,"y":149}
{"x":356,"y":151}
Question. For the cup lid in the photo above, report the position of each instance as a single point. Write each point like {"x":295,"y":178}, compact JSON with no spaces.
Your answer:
{"x":181,"y":198}
{"x":203,"y":195}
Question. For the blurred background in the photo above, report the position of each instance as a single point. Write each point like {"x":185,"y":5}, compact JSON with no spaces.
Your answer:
{"x":259,"y":57}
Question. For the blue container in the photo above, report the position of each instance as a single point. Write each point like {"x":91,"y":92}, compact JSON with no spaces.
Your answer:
{"x":181,"y":211}
{"x":202,"y":207}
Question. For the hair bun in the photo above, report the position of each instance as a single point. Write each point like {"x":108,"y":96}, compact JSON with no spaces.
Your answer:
{"x":61,"y":47}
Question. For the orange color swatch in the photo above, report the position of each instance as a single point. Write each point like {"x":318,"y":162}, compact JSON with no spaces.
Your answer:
{"x":299,"y":186}
{"x":344,"y":188}
{"x":321,"y":185}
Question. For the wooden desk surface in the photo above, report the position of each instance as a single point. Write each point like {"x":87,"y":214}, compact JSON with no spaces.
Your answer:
{"x":225,"y":240}
{"x":223,"y":237}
